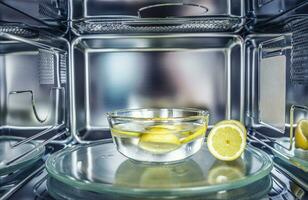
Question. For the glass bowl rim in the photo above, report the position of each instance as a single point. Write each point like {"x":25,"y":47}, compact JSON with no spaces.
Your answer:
{"x":196,"y":114}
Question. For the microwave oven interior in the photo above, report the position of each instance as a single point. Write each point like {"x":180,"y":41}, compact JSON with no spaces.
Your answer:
{"x":65,"y":63}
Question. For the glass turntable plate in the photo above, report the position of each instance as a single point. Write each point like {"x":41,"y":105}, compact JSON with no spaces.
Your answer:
{"x":296,"y":157}
{"x":254,"y":191}
{"x":99,"y":168}
{"x":8,"y":153}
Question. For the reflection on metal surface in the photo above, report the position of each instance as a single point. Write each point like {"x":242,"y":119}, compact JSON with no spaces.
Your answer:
{"x":11,"y":191}
{"x":32,"y":98}
{"x":295,"y":94}
{"x":272,"y":91}
{"x":292,"y":122}
{"x":37,"y":14}
{"x":124,"y":9}
{"x":43,"y":119}
{"x":42,"y":144}
{"x":297,"y":191}
{"x":32,"y":88}
{"x":172,"y":16}
{"x":204,"y":72}
{"x":272,"y":77}
{"x":157,"y":10}
{"x":53,"y":114}
{"x":8,"y":153}
{"x":46,"y":131}
{"x":37,"y":188}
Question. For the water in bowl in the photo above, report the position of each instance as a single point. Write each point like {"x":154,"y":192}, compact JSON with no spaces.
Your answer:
{"x":158,"y":142}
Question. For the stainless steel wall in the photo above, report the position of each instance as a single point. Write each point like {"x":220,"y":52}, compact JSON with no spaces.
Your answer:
{"x":199,"y":70}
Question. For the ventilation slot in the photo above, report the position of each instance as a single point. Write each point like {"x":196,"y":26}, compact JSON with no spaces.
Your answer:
{"x":204,"y":25}
{"x":299,"y":59}
{"x":63,"y":65}
{"x":19,"y":31}
{"x":46,"y":67}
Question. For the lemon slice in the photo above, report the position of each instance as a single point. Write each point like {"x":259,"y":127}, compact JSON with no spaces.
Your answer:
{"x":301,"y":135}
{"x":179,"y":129}
{"x":120,"y":133}
{"x":127,"y":130}
{"x":159,"y":143}
{"x":226,"y":141}
{"x":163,"y":128}
{"x":199,"y":132}
{"x":184,"y":129}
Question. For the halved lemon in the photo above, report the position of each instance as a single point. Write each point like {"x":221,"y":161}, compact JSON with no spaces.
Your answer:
{"x":226,"y":141}
{"x":158,"y":143}
{"x":301,"y":135}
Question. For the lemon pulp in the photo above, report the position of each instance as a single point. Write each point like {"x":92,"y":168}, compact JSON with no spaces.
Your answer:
{"x":226,"y":141}
{"x":235,"y":122}
{"x":159,"y":142}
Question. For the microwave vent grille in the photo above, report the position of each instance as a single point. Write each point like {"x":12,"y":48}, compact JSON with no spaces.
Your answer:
{"x":18,"y":30}
{"x":226,"y":24}
{"x":299,"y":58}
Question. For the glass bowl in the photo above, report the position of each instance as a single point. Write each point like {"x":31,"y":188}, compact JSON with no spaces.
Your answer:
{"x":158,"y":135}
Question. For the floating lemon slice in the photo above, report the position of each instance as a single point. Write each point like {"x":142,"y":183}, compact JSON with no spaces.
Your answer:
{"x":161,"y":129}
{"x":199,"y":132}
{"x":120,"y":133}
{"x":301,"y":135}
{"x":178,"y":129}
{"x":158,"y":143}
{"x":127,"y":130}
{"x":226,"y":141}
{"x":185,"y":129}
